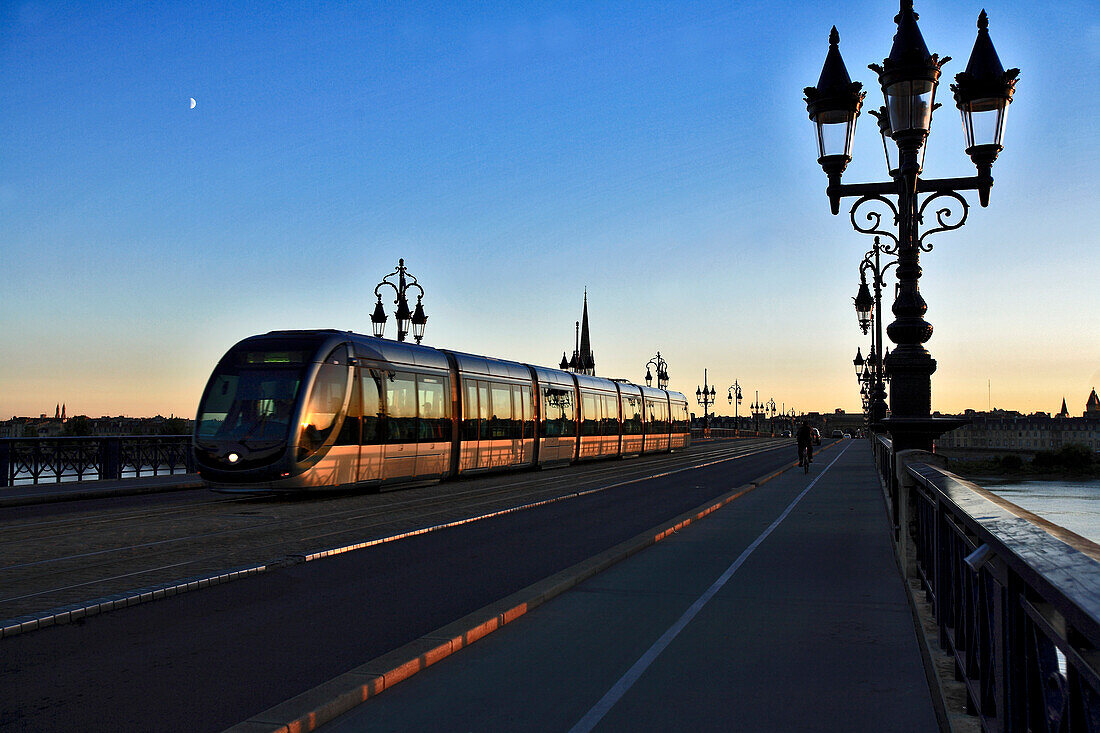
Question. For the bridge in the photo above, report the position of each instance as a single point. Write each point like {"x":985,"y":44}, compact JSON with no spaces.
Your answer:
{"x":714,"y":588}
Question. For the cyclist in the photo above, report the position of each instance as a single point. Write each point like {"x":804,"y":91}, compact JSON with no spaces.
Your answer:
{"x":805,"y":445}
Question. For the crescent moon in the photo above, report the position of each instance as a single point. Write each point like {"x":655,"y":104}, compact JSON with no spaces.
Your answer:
{"x":193,"y":103}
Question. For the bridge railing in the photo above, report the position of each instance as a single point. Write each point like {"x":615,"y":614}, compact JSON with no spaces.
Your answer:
{"x":1016,"y":599}
{"x":57,"y":460}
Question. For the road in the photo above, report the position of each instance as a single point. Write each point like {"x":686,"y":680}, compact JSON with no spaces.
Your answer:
{"x":208,"y":659}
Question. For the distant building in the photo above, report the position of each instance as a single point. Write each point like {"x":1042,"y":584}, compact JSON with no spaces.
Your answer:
{"x":1092,"y":407}
{"x":1003,"y":430}
{"x":54,"y":427}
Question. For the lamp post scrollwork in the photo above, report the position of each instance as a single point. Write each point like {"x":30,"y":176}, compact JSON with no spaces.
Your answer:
{"x":405,"y":318}
{"x":661,"y":367}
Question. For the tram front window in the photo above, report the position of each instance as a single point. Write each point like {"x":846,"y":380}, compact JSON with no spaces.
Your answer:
{"x":250,"y":406}
{"x":250,"y":399}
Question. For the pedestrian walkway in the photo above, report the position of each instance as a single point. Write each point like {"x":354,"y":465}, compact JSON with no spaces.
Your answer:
{"x":783,"y":611}
{"x":43,"y":493}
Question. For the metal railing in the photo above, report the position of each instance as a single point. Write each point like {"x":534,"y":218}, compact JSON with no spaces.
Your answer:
{"x":1017,"y":606}
{"x":57,"y":460}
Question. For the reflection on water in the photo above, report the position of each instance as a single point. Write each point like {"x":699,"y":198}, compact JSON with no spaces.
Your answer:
{"x":1074,"y":505}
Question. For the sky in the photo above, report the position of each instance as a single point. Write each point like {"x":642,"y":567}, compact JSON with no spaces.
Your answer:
{"x":515,"y":153}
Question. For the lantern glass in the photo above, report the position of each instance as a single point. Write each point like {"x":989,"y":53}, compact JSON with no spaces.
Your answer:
{"x":984,"y":121}
{"x":909,"y":103}
{"x":835,"y":130}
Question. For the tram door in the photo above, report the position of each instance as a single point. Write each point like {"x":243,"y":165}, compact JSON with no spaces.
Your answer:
{"x":372,"y":439}
{"x":399,"y":457}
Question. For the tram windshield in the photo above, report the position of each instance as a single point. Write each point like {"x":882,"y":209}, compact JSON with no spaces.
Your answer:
{"x":251,"y":396}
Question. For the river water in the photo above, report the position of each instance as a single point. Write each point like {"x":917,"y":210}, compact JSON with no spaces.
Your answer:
{"x":1074,"y":505}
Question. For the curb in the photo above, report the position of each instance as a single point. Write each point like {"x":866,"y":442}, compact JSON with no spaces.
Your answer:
{"x":32,"y":499}
{"x":329,"y":700}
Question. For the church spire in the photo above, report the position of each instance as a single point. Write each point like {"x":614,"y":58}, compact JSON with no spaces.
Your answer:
{"x":587,"y":361}
{"x":583,"y":361}
{"x":1065,"y":410}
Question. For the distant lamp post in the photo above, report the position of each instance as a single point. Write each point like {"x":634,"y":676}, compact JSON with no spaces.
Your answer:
{"x":415,"y":319}
{"x":868,"y":313}
{"x":757,"y":408}
{"x":735,"y":400}
{"x":705,"y":396}
{"x":661,"y":367}
{"x":770,"y":410}
{"x":908,"y":79}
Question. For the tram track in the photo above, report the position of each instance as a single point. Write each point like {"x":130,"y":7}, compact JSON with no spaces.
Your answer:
{"x":161,"y":546}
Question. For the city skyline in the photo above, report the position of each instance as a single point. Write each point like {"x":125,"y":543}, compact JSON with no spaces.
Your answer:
{"x":514,"y":155}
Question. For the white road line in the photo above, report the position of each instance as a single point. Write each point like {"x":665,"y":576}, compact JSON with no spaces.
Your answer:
{"x":620,"y":688}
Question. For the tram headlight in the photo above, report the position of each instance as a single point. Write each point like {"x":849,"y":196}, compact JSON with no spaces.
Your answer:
{"x":232,"y":457}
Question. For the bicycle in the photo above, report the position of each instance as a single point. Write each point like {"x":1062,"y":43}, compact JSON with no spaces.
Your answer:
{"x":804,"y":459}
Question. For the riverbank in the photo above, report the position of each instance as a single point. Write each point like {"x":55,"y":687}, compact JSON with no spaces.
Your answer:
{"x":1064,"y":465}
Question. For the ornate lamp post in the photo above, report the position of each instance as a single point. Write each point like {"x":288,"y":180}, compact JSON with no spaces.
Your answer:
{"x":405,"y":318}
{"x":770,"y":410}
{"x":705,"y":396}
{"x":661,"y":367}
{"x":909,"y":78}
{"x":757,"y":408}
{"x":735,"y":400}
{"x":868,"y":313}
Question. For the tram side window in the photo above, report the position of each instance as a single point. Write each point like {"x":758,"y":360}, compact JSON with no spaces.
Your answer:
{"x":590,"y":414}
{"x":370,"y":380}
{"x":468,"y":427}
{"x":501,"y":423}
{"x":558,"y":412}
{"x":632,"y":415}
{"x":610,"y":423}
{"x":680,"y":421}
{"x":401,"y":407}
{"x":485,"y":409}
{"x":435,"y":408}
{"x":349,"y":432}
{"x":521,"y":413}
{"x":661,"y":423}
{"x":325,"y":401}
{"x":528,"y":412}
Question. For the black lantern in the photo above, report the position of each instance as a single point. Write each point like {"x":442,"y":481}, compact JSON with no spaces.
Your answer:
{"x":865,"y":306}
{"x":404,"y":316}
{"x":909,"y":76}
{"x":834,"y":105}
{"x":982,"y":94}
{"x":419,"y":319}
{"x":858,"y":363}
{"x":378,"y":318}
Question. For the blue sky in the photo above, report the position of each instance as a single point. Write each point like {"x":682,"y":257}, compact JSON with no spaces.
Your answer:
{"x":514,"y":154}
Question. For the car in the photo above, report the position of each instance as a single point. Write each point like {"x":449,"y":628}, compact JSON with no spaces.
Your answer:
{"x":847,"y":436}
{"x":786,"y":433}
{"x":838,"y":433}
{"x":817,"y":436}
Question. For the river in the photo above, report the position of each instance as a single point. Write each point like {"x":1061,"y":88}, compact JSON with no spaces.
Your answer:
{"x":1074,"y":505}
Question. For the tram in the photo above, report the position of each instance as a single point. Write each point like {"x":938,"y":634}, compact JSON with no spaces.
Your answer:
{"x":324,"y":409}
